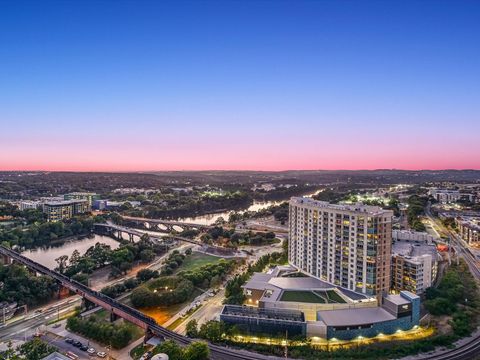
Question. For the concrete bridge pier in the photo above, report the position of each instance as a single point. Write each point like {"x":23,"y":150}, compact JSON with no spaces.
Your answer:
{"x":87,"y":304}
{"x":6,"y":260}
{"x":63,"y":292}
{"x":148,"y":335}
{"x":113,"y":317}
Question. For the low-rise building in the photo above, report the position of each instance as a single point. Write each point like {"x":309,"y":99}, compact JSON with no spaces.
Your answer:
{"x":410,"y":235}
{"x":449,"y":196}
{"x":285,"y":300}
{"x":62,"y":210}
{"x":414,"y":265}
{"x":24,"y":205}
{"x":469,"y":228}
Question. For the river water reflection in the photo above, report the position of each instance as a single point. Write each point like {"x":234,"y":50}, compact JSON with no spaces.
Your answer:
{"x":47,"y":255}
{"x":209,"y":219}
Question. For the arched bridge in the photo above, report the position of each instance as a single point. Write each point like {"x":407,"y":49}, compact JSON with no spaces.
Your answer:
{"x":117,"y":231}
{"x":169,"y":225}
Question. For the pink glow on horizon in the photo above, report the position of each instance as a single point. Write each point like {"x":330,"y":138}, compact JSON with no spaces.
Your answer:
{"x":124,"y":162}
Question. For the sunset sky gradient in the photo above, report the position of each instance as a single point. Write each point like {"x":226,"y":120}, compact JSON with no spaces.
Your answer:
{"x":259,"y":85}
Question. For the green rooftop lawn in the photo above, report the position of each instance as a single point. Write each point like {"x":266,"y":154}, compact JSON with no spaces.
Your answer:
{"x":315,"y":297}
{"x":301,"y":296}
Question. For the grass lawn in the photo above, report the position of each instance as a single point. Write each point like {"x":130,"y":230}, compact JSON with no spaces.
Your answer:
{"x":334,"y":297}
{"x":197,"y":260}
{"x":301,"y":296}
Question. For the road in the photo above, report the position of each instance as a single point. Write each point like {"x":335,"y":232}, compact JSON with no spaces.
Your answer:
{"x":18,"y":327}
{"x":461,"y":248}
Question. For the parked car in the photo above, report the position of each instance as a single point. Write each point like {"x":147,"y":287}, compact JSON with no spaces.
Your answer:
{"x":77,"y":343}
{"x":69,"y":340}
{"x":101,"y":354}
{"x":84,"y":347}
{"x":91,"y":351}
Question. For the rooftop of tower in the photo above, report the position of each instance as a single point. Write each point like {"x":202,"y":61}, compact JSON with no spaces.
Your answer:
{"x":355,"y":208}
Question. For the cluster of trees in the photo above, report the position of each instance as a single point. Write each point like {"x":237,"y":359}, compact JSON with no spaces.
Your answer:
{"x":449,"y":222}
{"x":196,"y":202}
{"x":174,"y":260}
{"x":209,"y":275}
{"x":142,"y":276}
{"x":279,"y":212}
{"x":28,"y":216}
{"x":457,"y":295}
{"x":213,"y":330}
{"x":121,"y":260}
{"x":230,"y":239}
{"x":39,"y":234}
{"x":233,"y":290}
{"x":284,"y":192}
{"x":19,"y":285}
{"x":166,"y":290}
{"x":194,"y":351}
{"x":416,"y":207}
{"x":115,"y":335}
{"x":35,"y":349}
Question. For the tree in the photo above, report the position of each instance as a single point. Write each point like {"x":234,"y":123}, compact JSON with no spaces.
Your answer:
{"x":62,"y":263}
{"x":212,"y":330}
{"x":192,"y":328}
{"x":36,"y":349}
{"x":147,"y":255}
{"x":171,"y":348}
{"x":197,"y":351}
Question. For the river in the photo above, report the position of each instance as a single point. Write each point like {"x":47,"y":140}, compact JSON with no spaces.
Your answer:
{"x":47,"y":255}
{"x":209,"y":219}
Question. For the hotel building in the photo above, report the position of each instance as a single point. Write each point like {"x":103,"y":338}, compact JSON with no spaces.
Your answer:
{"x":345,"y":245}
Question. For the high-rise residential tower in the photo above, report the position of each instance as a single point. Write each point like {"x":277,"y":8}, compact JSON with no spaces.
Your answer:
{"x":346,"y":245}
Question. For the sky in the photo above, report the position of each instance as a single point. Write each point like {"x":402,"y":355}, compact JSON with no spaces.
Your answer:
{"x":247,"y":85}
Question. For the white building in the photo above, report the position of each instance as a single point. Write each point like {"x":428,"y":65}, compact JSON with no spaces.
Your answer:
{"x":414,"y":265}
{"x":412,"y":236}
{"x":449,"y":196}
{"x":24,"y":205}
{"x":346,"y":245}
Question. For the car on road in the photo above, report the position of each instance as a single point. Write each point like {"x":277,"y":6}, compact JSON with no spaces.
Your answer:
{"x":101,"y":354}
{"x":84,"y":347}
{"x":91,"y":351}
{"x":69,"y":340}
{"x":77,"y":343}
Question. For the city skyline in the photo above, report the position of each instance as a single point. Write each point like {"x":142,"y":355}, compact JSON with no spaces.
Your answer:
{"x":151,"y":86}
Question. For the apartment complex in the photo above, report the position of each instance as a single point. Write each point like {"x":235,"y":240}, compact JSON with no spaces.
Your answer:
{"x":88,"y":196}
{"x":448,"y":196}
{"x":61,"y":210}
{"x":414,"y":265}
{"x":413,"y":274}
{"x":346,"y":245}
{"x":469,"y":228}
